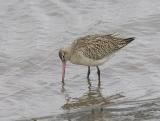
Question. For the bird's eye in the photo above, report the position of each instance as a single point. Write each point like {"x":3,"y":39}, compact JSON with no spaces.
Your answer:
{"x":63,"y":58}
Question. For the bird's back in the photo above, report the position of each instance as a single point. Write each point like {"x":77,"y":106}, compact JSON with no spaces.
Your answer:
{"x":98,"y":46}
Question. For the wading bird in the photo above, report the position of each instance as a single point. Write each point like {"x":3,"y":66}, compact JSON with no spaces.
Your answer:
{"x":92,"y":50}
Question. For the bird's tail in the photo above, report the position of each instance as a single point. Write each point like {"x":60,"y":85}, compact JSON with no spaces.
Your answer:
{"x":128,"y":40}
{"x":122,"y":43}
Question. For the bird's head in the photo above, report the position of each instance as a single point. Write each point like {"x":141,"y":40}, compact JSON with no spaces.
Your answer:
{"x":64,"y":55}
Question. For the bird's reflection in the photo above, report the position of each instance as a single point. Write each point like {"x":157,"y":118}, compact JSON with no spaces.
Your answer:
{"x":93,"y":97}
{"x":63,"y":88}
{"x":93,"y":102}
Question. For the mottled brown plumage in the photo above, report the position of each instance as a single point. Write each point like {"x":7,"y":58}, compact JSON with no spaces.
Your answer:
{"x":92,"y":50}
{"x":98,"y":46}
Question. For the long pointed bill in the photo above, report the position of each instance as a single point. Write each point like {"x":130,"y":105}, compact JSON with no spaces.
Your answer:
{"x":63,"y":70}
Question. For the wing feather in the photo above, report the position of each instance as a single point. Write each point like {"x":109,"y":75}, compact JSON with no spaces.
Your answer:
{"x":96,"y":46}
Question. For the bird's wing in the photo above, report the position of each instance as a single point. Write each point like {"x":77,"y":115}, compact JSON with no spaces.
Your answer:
{"x":96,"y":46}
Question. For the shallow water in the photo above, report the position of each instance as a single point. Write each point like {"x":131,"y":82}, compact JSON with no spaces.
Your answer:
{"x":31,"y":33}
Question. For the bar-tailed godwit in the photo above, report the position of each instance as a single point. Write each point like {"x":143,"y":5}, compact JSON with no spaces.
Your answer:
{"x":92,"y":50}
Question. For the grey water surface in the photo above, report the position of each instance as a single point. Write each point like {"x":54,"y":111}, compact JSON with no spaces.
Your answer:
{"x":31,"y":33}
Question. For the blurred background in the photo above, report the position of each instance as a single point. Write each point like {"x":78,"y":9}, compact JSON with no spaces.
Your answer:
{"x":31,"y":33}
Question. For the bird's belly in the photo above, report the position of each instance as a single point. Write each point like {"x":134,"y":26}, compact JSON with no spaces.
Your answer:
{"x":82,"y":60}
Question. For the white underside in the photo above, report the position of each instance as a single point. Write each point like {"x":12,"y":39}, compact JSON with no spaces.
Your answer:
{"x":80,"y":59}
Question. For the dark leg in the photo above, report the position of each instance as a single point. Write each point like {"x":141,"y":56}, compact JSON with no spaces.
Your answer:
{"x":88,"y":72}
{"x":98,"y":72}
